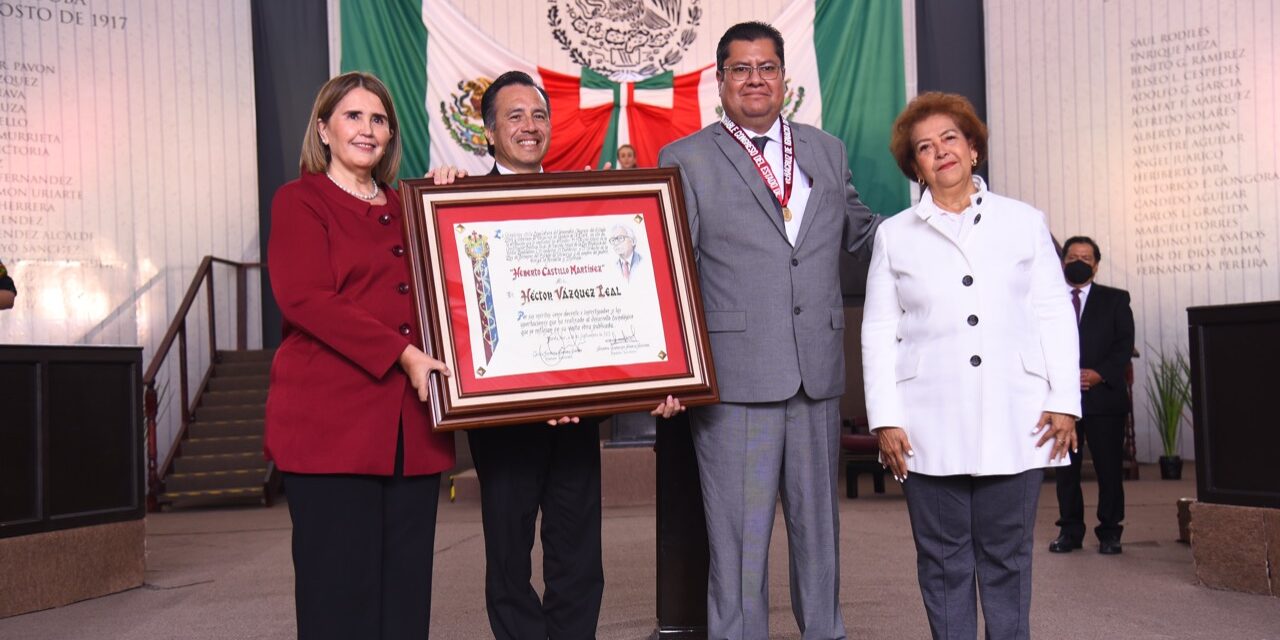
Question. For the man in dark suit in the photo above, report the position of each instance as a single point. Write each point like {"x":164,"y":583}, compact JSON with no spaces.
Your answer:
{"x":526,"y":468}
{"x":1105,"y":323}
{"x":523,"y":469}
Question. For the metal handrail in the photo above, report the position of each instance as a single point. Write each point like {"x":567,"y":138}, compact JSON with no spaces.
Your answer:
{"x":178,"y":331}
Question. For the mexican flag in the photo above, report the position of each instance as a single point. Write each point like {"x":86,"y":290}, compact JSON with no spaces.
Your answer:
{"x":844,"y":73}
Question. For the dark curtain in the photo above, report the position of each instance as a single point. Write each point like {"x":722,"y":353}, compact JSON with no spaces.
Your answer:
{"x":950,"y":52}
{"x":290,"y":63}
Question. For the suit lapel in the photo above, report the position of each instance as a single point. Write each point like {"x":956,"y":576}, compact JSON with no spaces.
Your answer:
{"x":1092,"y":307}
{"x":742,"y":162}
{"x":807,"y":159}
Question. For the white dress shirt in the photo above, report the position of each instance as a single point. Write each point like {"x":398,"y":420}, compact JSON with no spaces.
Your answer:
{"x":801,"y":186}
{"x":502,"y":170}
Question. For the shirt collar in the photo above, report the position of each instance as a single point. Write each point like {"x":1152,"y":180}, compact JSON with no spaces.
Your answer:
{"x":1084,"y":291}
{"x":503,"y":170}
{"x":927,"y":209}
{"x":774,"y":134}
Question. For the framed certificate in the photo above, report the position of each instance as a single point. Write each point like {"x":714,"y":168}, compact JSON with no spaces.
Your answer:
{"x":556,"y":294}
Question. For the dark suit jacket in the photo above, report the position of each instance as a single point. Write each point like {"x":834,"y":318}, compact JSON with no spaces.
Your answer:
{"x":1106,"y":345}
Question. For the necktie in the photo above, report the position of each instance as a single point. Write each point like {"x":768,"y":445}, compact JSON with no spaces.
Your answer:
{"x":626,"y":270}
{"x":760,"y":142}
{"x":1075,"y":302}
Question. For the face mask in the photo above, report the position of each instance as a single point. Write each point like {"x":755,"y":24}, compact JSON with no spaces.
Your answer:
{"x":1077,"y":272}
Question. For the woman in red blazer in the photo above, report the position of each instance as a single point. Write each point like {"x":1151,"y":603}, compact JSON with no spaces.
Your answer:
{"x":346,"y":421}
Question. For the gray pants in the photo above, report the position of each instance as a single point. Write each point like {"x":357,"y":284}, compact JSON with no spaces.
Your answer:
{"x":969,"y":527}
{"x":746,"y":454}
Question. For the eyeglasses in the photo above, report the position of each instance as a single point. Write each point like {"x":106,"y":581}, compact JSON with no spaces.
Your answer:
{"x":618,"y":239}
{"x":740,"y":72}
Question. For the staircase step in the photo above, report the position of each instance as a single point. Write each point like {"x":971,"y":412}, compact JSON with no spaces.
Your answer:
{"x":232,"y":383}
{"x":229,"y":444}
{"x":234,"y":397}
{"x":231,"y":412}
{"x":189,"y":463}
{"x":225,"y":428}
{"x":211,"y":496}
{"x":242,"y":368}
{"x":237,"y":478}
{"x":250,"y":355}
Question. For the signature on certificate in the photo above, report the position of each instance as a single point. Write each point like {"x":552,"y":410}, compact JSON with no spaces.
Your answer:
{"x":624,"y":336}
{"x":558,"y":347}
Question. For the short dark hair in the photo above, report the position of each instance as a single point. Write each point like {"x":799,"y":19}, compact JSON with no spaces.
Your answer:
{"x":952,"y":105}
{"x":1097,"y":253}
{"x":749,"y":31}
{"x":488,"y":106}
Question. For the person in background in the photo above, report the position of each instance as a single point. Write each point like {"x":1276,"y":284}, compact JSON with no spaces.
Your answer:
{"x":552,"y":468}
{"x":626,"y":157}
{"x":768,"y":265}
{"x":1105,"y":325}
{"x":8,"y":290}
{"x":970,"y":366}
{"x":346,"y":420}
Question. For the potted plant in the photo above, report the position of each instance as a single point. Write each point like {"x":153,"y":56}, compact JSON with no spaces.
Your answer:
{"x":1169,"y":397}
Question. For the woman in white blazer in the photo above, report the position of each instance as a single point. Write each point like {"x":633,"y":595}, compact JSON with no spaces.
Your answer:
{"x":970,"y":363}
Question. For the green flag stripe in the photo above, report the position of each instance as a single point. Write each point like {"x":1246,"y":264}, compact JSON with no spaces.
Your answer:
{"x":859,"y":47}
{"x":664,"y":80}
{"x":592,"y":79}
{"x":388,"y":40}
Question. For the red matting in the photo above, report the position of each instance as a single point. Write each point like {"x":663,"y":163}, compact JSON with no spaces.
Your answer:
{"x":450,"y":215}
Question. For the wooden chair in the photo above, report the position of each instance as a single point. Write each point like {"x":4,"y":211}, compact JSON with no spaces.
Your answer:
{"x":1130,"y":441}
{"x":860,"y":454}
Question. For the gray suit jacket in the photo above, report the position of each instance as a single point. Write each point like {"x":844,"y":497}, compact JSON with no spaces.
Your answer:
{"x":774,"y":311}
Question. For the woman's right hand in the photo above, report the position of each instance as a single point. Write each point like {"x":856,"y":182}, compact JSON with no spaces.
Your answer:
{"x":445,"y":174}
{"x":895,"y":448}
{"x":418,"y":366}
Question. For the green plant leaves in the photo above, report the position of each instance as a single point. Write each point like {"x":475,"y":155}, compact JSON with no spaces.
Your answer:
{"x":1168,"y":395}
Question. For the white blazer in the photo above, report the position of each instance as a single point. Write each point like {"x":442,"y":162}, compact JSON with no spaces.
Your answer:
{"x":965,"y":341}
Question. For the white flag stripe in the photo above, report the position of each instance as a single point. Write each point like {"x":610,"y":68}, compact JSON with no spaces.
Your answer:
{"x":450,"y":64}
{"x":796,"y":24}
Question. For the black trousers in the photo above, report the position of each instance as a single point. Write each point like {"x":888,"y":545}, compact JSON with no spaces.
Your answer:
{"x":1105,"y":436}
{"x":523,"y":469}
{"x":362,"y":553}
{"x":974,"y":538}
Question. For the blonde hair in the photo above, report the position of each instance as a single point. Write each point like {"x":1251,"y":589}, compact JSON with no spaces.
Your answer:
{"x":315,"y":156}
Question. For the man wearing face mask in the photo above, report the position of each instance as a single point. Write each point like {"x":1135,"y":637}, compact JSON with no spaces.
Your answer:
{"x":1105,"y":323}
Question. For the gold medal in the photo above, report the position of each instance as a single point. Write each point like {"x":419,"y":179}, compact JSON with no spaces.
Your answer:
{"x":786,"y":214}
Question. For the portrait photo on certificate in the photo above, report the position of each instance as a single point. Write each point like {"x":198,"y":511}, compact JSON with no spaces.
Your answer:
{"x":557,"y":294}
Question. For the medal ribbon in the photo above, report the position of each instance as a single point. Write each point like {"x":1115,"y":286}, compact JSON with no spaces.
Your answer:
{"x":780,"y":191}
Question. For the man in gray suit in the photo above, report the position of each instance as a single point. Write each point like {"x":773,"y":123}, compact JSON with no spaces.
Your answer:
{"x":768,"y":220}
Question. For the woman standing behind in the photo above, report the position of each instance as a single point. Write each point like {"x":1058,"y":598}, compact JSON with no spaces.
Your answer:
{"x":346,"y":421}
{"x":970,"y":364}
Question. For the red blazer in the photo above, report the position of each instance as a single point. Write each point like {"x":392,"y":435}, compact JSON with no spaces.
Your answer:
{"x":340,"y":275}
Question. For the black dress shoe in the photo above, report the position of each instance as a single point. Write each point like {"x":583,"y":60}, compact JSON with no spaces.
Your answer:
{"x":1109,"y":547}
{"x":1065,"y":544}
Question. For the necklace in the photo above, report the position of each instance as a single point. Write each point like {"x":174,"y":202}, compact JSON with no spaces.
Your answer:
{"x":356,"y":194}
